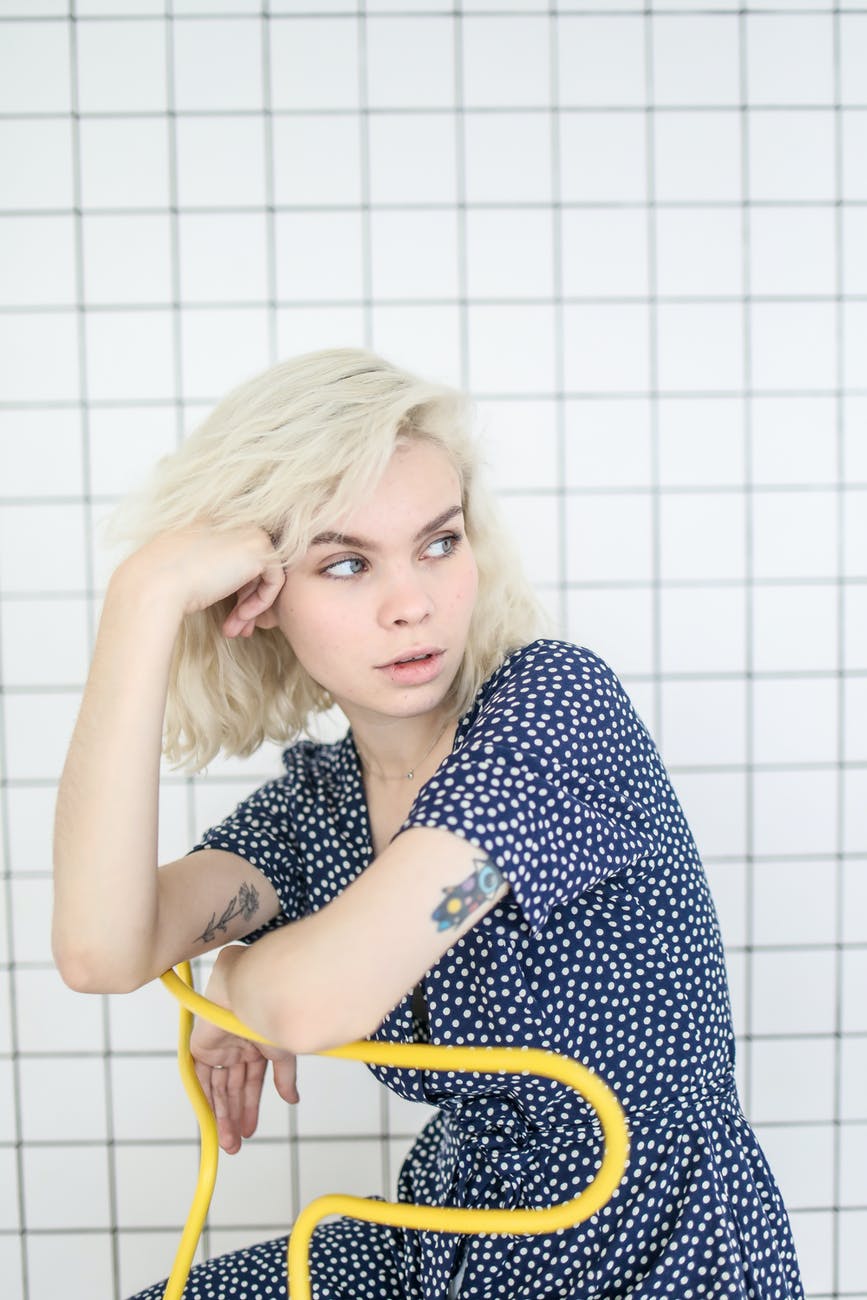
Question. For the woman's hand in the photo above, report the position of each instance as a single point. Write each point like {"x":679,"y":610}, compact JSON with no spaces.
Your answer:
{"x":231,"y":1070}
{"x":198,"y":566}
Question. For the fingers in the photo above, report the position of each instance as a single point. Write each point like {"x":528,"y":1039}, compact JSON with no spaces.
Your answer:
{"x":253,"y":599}
{"x":227,"y":1090}
{"x":285,"y":1075}
{"x":251,"y":1095}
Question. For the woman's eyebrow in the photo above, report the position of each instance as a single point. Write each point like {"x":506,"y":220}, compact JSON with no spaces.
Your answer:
{"x":344,"y":539}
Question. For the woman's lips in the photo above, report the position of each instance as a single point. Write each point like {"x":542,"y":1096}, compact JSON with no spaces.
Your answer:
{"x":415,"y":672}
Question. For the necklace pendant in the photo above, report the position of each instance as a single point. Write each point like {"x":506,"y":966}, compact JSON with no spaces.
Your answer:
{"x":410,"y":774}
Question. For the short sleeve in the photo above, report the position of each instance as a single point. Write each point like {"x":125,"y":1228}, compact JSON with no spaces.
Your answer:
{"x":552,"y":779}
{"x":260,"y":831}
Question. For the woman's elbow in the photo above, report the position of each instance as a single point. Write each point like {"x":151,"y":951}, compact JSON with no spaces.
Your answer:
{"x":84,"y":971}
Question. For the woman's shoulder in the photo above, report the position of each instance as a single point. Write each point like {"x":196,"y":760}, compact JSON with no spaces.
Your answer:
{"x":547,"y":664}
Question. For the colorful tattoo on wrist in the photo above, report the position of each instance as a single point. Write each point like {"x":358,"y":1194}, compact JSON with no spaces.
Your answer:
{"x":245,"y":904}
{"x":462,"y":899}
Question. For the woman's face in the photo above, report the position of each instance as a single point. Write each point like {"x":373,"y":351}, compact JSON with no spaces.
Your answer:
{"x":393,"y":581}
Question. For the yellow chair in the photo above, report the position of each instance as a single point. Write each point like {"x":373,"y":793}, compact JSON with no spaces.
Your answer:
{"x":517,"y":1060}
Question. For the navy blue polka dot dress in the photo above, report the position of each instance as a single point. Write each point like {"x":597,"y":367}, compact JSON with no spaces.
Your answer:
{"x":606,"y":949}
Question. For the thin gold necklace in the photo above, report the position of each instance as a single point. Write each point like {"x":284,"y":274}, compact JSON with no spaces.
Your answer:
{"x":408,"y":776}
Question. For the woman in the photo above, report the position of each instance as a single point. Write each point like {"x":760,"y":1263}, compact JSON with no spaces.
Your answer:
{"x":493,"y":853}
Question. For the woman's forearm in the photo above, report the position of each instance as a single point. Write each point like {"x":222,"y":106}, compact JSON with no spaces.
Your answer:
{"x":105,"y":848}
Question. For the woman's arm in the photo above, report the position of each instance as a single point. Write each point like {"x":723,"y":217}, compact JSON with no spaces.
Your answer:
{"x":118,"y":922}
{"x":333,"y":976}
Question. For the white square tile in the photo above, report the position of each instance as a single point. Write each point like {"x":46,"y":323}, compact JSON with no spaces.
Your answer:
{"x":814,"y":1243}
{"x":217,"y":64}
{"x":38,"y":730}
{"x":853,"y":1162}
{"x":607,"y":444}
{"x":697,"y":155}
{"x":509,"y":253}
{"x":855,"y":627}
{"x":792,"y":251}
{"x":82,"y":1113}
{"x":790,"y":59}
{"x":531,"y":519}
{"x":854,"y":711}
{"x":793,"y":902}
{"x":317,"y":159}
{"x":302,"y":329}
{"x":854,"y":929}
{"x":149,"y":1101}
{"x":793,"y":992}
{"x":216,"y":6}
{"x":853,"y":1078}
{"x":7,"y":1103}
{"x":618,"y":624}
{"x":726,"y":880}
{"x":854,"y":411}
{"x":854,"y":250}
{"x":854,"y":983}
{"x":39,"y":359}
{"x":802,"y":1160}
{"x":45,"y":642}
{"x":794,"y":721}
{"x":794,"y":440}
{"x":604,"y":253}
{"x":422,"y":339}
{"x":121,"y":66}
{"x":853,"y":1250}
{"x":792,"y":1079}
{"x":40,"y":453}
{"x":703,"y":722}
{"x":396,"y":76}
{"x":854,"y":811}
{"x":412,"y":158}
{"x":9,"y":1207}
{"x":853,"y":56}
{"x":506,"y":61}
{"x":519,"y":443}
{"x":699,"y":252}
{"x":221,"y":161}
{"x":351,"y":1167}
{"x":511,"y":349}
{"x":155,"y":1184}
{"x":606,"y":348}
{"x":29,"y":828}
{"x":37,"y":260}
{"x":855,"y":344}
{"x":36,"y":162}
{"x":10,"y":1264}
{"x":794,"y":534}
{"x":781,"y":825}
{"x":794,"y":628}
{"x":702,"y":629}
{"x":50,"y":1172}
{"x":855,"y":534}
{"x":103,"y":8}
{"x":601,"y":60}
{"x":130,"y":355}
{"x":791,"y":155}
{"x":145,"y":1021}
{"x":124,"y":163}
{"x":51,"y":1016}
{"x":507,"y":157}
{"x":700,"y":346}
{"x":127,"y":259}
{"x":608,"y":537}
{"x":794,"y":345}
{"x":42,"y":548}
{"x":319,"y":255}
{"x":31,"y":918}
{"x":414,"y":255}
{"x":603,"y":157}
{"x":696,"y":59}
{"x":854,"y":140}
{"x":221,"y":348}
{"x":223,"y":256}
{"x":34,"y":68}
{"x":715,"y":807}
{"x":338,"y":1099}
{"x":701,"y":441}
{"x":737,"y":986}
{"x":701,"y":535}
{"x":125,"y":444}
{"x":256,"y":1186}
{"x":314,"y":62}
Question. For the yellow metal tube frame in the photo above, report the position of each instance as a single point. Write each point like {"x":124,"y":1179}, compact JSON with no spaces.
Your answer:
{"x":516,"y":1060}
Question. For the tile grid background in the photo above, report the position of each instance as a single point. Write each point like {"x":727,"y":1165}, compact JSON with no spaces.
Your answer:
{"x":638,"y":234}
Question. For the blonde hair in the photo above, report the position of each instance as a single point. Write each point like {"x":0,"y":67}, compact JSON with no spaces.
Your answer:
{"x":291,"y":451}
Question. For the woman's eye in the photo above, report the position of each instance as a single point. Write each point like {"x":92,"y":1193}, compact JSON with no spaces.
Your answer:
{"x":445,"y":544}
{"x":344,"y":568}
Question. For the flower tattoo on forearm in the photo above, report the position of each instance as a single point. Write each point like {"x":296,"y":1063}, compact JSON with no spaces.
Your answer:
{"x":462,"y":899}
{"x":245,"y":904}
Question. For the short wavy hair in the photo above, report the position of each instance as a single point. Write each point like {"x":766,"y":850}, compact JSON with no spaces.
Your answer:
{"x":291,"y":451}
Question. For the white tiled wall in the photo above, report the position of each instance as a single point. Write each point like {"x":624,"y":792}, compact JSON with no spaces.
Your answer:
{"x":637,"y":233}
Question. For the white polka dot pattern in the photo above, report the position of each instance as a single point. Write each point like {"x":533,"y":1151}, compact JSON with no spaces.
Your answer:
{"x":606,"y":949}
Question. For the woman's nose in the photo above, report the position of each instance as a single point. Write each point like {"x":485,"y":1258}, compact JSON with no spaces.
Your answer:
{"x":405,"y":600}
